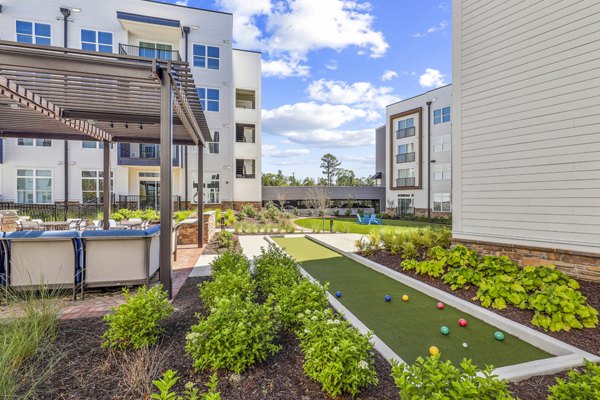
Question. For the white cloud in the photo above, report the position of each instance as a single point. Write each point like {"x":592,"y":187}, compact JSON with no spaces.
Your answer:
{"x":332,"y":65}
{"x":283,"y":68}
{"x":324,"y":138}
{"x":388,"y":75}
{"x":270,"y":150}
{"x":443,"y":25}
{"x":182,"y":2}
{"x":359,"y":94}
{"x":442,"y":6}
{"x":294,"y":28}
{"x":432,"y":78}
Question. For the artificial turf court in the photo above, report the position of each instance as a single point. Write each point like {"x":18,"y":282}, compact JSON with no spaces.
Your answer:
{"x":408,"y":328}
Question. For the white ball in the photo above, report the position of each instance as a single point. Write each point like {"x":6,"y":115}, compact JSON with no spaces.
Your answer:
{"x":465,"y":344}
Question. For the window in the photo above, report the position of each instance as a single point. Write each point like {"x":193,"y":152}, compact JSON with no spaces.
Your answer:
{"x":442,"y":143}
{"x":405,"y":148}
{"x":96,"y":41}
{"x":442,"y":172}
{"x":406,"y":173}
{"x":92,"y":144}
{"x":34,"y":186}
{"x":206,"y":56}
{"x":441,"y":202}
{"x":406,"y":123}
{"x":406,"y":203}
{"x":406,"y":177}
{"x":34,"y":33}
{"x":245,"y":99}
{"x":245,"y":169}
{"x":441,"y":115}
{"x":213,"y":147}
{"x":209,"y":98}
{"x":156,"y":50}
{"x":34,"y":142}
{"x":149,"y":175}
{"x":151,"y":151}
{"x":92,"y":186}
{"x":211,"y":188}
{"x":245,"y":133}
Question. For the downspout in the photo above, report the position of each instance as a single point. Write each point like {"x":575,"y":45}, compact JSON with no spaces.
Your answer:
{"x":429,"y":159}
{"x":66,"y":13}
{"x":186,"y":32}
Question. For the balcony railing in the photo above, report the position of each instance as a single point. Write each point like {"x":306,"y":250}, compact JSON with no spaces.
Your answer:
{"x":406,"y":132}
{"x":405,"y":182}
{"x":248,"y":104}
{"x":405,"y":157}
{"x":145,"y":156}
{"x":160,"y":54}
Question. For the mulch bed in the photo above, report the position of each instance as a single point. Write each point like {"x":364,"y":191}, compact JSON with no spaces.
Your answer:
{"x":87,"y":371}
{"x":533,"y":388}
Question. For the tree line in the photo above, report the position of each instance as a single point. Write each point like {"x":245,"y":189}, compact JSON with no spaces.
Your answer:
{"x":335,"y":175}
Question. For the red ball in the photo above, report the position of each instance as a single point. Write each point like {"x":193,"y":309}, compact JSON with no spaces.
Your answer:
{"x":462,"y":322}
{"x":440,"y":305}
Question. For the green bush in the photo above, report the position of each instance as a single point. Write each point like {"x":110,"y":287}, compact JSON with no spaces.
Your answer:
{"x":499,"y":290}
{"x":581,"y":385}
{"x":235,"y":336}
{"x":225,"y":240}
{"x":274,"y":269}
{"x":336,"y":355}
{"x":560,"y":307}
{"x":249,"y":211}
{"x":432,"y":379}
{"x":291,"y":302}
{"x":170,"y":378}
{"x":431,"y":268}
{"x":227,"y":285}
{"x":135,"y":322}
{"x":230,"y":261}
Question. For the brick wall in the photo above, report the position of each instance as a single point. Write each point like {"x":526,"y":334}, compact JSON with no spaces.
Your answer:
{"x":188,"y":233}
{"x":580,"y":265}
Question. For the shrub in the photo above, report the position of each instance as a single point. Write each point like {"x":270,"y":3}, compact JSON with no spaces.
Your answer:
{"x":336,"y":212}
{"x":249,"y":211}
{"x":169,"y":379}
{"x":296,"y":212}
{"x":500,"y":290}
{"x":228,"y":217}
{"x":225,"y":240}
{"x":431,"y":268}
{"x":348,"y":212}
{"x":582,"y":385}
{"x":309,"y":212}
{"x":432,"y":379}
{"x":409,"y":250}
{"x":230,"y":261}
{"x":560,"y":307}
{"x":274,"y":269}
{"x":293,"y":301}
{"x":227,"y":285}
{"x":235,"y":336}
{"x":135,"y":322}
{"x":336,"y":355}
{"x":272,"y":211}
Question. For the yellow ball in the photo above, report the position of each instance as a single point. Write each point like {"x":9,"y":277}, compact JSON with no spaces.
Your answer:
{"x":434,"y":351}
{"x":405,"y":297}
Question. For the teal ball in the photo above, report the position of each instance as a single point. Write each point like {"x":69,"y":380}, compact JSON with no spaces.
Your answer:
{"x":445,"y":330}
{"x":499,"y":336}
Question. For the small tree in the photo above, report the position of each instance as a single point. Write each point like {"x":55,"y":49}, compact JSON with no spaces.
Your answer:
{"x":319,"y":199}
{"x":330,"y":166}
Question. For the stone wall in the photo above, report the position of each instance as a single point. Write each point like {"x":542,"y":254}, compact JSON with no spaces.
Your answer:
{"x":580,"y":265}
{"x":188,"y":232}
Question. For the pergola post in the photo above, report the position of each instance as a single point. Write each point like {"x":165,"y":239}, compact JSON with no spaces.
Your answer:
{"x":106,"y":186}
{"x":166,"y":169}
{"x":200,"y":195}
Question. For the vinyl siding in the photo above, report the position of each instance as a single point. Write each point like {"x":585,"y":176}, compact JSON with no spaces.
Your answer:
{"x":526,"y":130}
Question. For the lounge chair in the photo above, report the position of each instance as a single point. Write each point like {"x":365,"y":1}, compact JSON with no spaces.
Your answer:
{"x":374,"y":220}
{"x":362,"y":221}
{"x":33,"y":225}
{"x":74,"y":224}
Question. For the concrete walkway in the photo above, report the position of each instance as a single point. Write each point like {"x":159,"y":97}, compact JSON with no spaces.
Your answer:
{"x":202,"y":266}
{"x":251,"y":245}
{"x":341,"y":241}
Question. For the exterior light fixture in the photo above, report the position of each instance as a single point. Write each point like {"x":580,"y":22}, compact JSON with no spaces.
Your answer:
{"x":194,"y":27}
{"x":126,"y":125}
{"x":14,"y":106}
{"x":141,"y":126}
{"x":74,"y":9}
{"x":112,"y":125}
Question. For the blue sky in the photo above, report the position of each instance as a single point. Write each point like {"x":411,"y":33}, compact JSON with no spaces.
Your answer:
{"x":331,"y":66}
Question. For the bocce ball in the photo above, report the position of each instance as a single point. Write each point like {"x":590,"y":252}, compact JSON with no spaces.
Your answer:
{"x":462,"y":322}
{"x":388,"y":298}
{"x":434,"y":351}
{"x":338,"y":294}
{"x":405,"y":297}
{"x":445,"y":330}
{"x":440,"y":305}
{"x":499,"y":336}
{"x":465,"y":344}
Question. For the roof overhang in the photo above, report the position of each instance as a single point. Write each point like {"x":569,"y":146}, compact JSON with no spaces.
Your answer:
{"x":56,"y":93}
{"x":146,"y":26}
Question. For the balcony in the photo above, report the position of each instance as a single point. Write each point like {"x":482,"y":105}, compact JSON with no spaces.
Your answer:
{"x":149,"y":52}
{"x":143,"y":155}
{"x":405,"y":182}
{"x":405,"y":157}
{"x":245,"y":99}
{"x":406,"y":132}
{"x":1,"y":151}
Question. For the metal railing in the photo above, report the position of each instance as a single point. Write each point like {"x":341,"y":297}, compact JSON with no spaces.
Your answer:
{"x":406,"y":132}
{"x":405,"y":157}
{"x":137,"y":202}
{"x":405,"y":182}
{"x":160,"y":54}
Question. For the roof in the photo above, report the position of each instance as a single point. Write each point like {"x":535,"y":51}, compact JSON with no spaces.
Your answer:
{"x":57,"y":93}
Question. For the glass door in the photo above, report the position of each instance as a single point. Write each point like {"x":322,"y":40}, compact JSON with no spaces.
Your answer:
{"x":149,"y":194}
{"x":156,"y":50}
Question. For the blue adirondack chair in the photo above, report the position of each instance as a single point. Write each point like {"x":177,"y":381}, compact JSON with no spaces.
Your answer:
{"x":374,"y":220}
{"x":362,"y":221}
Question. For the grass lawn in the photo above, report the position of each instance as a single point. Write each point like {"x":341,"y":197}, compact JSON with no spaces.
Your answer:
{"x":411,"y":327}
{"x":349,"y":225}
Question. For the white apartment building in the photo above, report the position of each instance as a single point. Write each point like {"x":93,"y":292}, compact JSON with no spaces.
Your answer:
{"x":418,"y":154}
{"x":229,"y":86}
{"x":526,"y":131}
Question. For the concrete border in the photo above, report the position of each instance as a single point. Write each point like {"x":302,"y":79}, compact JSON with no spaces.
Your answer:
{"x":566,"y":355}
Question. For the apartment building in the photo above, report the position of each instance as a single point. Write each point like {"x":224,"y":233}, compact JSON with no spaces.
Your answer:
{"x":526,"y":131}
{"x":418,"y":162}
{"x":229,"y":86}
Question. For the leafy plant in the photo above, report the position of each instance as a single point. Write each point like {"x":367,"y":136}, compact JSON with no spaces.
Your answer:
{"x":534,"y":278}
{"x":170,"y":378}
{"x":225,"y":240}
{"x":500,"y":290}
{"x":560,"y":307}
{"x":228,"y":284}
{"x":235,"y":336}
{"x":274,"y":269}
{"x":431,"y":268}
{"x":135,"y":322}
{"x":462,"y":278}
{"x":291,"y":302}
{"x":458,"y":256}
{"x":431,"y":378}
{"x":249,"y":211}
{"x":581,"y":385}
{"x":348,"y":212}
{"x":336,"y":354}
{"x":230,"y":261}
{"x":409,"y":250}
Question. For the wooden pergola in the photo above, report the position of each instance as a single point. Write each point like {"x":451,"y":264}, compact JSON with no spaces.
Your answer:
{"x":66,"y":94}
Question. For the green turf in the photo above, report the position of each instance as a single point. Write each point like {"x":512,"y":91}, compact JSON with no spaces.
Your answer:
{"x":348,"y":225}
{"x":409,"y":328}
